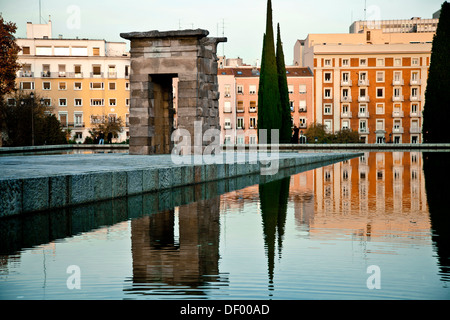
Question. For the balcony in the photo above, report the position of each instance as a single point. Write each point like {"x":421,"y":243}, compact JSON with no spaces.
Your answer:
{"x":346,"y":99}
{"x":72,"y":125}
{"x":346,"y":115}
{"x":252,"y":109}
{"x":415,"y":114}
{"x":346,"y":83}
{"x":26,"y":74}
{"x":415,"y":130}
{"x":363,"y":99}
{"x":303,"y":126}
{"x":398,"y":114}
{"x":399,"y":82}
{"x":415,"y":82}
{"x":364,"y":114}
{"x":363,"y":130}
{"x":398,"y":130}
{"x":112,"y":75}
{"x":363,"y":82}
{"x":97,"y":75}
{"x":398,"y":98}
{"x":414,"y":98}
{"x":302,"y":109}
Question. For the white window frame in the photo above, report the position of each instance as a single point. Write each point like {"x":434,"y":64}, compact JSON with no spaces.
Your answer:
{"x":75,"y":102}
{"x":326,"y":106}
{"x":60,"y":100}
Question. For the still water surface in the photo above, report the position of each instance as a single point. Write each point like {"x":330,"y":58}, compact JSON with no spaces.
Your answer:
{"x":313,"y":235}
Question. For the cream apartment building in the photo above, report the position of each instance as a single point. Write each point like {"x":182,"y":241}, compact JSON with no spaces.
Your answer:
{"x":83,"y":80}
{"x":371,"y":81}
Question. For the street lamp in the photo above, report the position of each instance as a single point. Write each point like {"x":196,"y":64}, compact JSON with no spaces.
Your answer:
{"x":32,"y":118}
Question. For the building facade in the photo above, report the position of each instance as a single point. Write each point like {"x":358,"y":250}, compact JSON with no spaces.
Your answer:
{"x":238,"y":103}
{"x":83,"y":80}
{"x":373,"y":82}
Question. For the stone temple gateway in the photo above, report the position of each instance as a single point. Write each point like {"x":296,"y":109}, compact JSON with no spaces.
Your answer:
{"x":156,"y":59}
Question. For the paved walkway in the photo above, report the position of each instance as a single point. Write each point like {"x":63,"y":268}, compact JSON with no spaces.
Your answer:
{"x":36,"y":183}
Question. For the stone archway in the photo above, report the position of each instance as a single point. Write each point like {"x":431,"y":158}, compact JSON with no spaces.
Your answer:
{"x":156,"y":58}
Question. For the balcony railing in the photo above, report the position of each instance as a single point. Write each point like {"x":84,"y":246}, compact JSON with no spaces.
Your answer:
{"x":302,"y":109}
{"x":364,"y":114}
{"x":303,"y":126}
{"x":26,"y":74}
{"x":346,"y":114}
{"x":48,"y":74}
{"x":363,"y":130}
{"x":96,"y":75}
{"x":415,"y":130}
{"x":363,"y":99}
{"x":112,"y":75}
{"x":398,"y":98}
{"x":399,"y":82}
{"x":398,"y":114}
{"x":415,"y":114}
{"x":415,"y":82}
{"x":346,"y":83}
{"x":363,"y":82}
{"x":346,"y":99}
{"x":414,"y":98}
{"x":398,"y":130}
{"x":72,"y":124}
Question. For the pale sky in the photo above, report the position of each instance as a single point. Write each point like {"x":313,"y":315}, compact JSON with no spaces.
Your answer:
{"x":244,"y":20}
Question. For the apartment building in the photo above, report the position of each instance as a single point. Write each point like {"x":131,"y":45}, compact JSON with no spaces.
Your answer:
{"x":238,"y":103}
{"x":83,"y":80}
{"x":370,"y":81}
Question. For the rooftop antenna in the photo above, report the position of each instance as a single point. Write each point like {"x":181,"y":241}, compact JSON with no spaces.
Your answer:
{"x":365,"y":9}
{"x":40,"y":13}
{"x":223,"y":35}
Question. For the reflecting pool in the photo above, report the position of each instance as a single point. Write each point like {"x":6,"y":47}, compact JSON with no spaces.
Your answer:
{"x":373,"y":227}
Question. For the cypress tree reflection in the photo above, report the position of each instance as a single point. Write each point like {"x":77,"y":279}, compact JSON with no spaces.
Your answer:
{"x":437,"y":175}
{"x":274,"y":199}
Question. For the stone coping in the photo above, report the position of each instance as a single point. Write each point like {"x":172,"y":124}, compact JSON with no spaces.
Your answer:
{"x":38,"y":183}
{"x":156,"y":34}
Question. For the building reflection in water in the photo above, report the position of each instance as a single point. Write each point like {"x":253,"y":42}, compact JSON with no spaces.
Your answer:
{"x":176,"y":248}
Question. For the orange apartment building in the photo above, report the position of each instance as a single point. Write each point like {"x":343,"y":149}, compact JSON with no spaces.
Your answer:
{"x":373,"y":81}
{"x":238,"y":103}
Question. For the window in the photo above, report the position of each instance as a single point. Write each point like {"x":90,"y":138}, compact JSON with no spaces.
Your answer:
{"x":380,"y":108}
{"x":302,"y":106}
{"x":112,"y":72}
{"x":95,"y":51}
{"x":77,"y":69}
{"x":397,"y":92}
{"x":62,"y":51}
{"x":62,"y":102}
{"x":345,"y":109}
{"x":96,"y":71}
{"x":380,"y":76}
{"x":78,"y":102}
{"x":252,"y":106}
{"x":44,"y":51}
{"x":291,"y":89}
{"x":27,"y":85}
{"x":46,"y":86}
{"x":291,"y":104}
{"x":63,"y":119}
{"x":11,"y":102}
{"x":112,"y":86}
{"x":380,"y":62}
{"x":327,"y":77}
{"x":227,"y":107}
{"x":62,"y":70}
{"x":240,"y":123}
{"x":127,"y":102}
{"x":77,"y":86}
{"x":97,"y":85}
{"x":47,"y":102}
{"x":328,"y":125}
{"x":112,"y":102}
{"x":252,"y":123}
{"x":380,"y":124}
{"x":127,"y":86}
{"x":78,"y":117}
{"x":302,"y":122}
{"x":363,"y":62}
{"x":227,"y":91}
{"x":227,"y":123}
{"x":240,"y":106}
{"x":345,"y":62}
{"x":397,"y":62}
{"x":80,"y":51}
{"x":380,"y":93}
{"x":302,"y":88}
{"x":345,"y":124}
{"x":97,"y":102}
{"x":240,"y":89}
{"x":97,"y":119}
{"x":345,"y":78}
{"x":363,"y":126}
{"x":414,"y":109}
{"x":362,"y":92}
{"x":26,"y":50}
{"x":327,"y":93}
{"x":62,"y":86}
{"x":252,"y":89}
{"x":327,"y":62}
{"x":127,"y":72}
{"x":415,"y":61}
{"x":327,"y":107}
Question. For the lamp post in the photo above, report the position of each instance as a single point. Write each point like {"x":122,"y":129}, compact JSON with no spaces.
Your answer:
{"x":32,"y":118}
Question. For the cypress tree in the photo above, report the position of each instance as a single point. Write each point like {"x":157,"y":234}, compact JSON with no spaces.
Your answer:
{"x":269,"y":106}
{"x":437,"y":100}
{"x":286,"y":120}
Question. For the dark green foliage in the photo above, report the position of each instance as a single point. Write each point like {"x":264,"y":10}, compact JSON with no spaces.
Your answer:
{"x":274,"y":200}
{"x":317,"y":130}
{"x":18,"y":123}
{"x":269,"y":105}
{"x":286,"y":119}
{"x":437,"y":99}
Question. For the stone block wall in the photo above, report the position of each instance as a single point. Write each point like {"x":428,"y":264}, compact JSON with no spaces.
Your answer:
{"x":156,"y":58}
